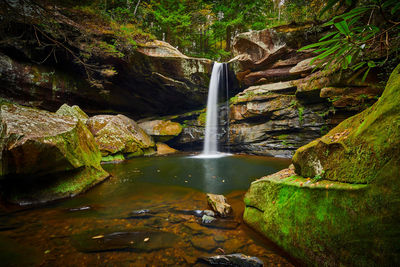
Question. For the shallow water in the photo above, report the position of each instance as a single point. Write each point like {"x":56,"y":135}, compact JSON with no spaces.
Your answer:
{"x":142,"y":216}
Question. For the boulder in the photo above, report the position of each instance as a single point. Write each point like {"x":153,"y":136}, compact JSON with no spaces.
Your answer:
{"x":164,"y":149}
{"x":74,"y":111}
{"x":338,"y":205}
{"x":45,"y":156}
{"x":161,"y":130}
{"x":219,"y":204}
{"x":118,"y":134}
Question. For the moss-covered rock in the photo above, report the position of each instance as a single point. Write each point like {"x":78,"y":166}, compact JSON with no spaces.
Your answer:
{"x":74,"y":111}
{"x":161,"y":130}
{"x":338,"y":205}
{"x":119,"y":135}
{"x":54,"y":154}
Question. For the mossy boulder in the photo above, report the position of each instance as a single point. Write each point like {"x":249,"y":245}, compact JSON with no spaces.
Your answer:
{"x":161,"y":130}
{"x":74,"y":111}
{"x":338,"y":205}
{"x":45,"y":156}
{"x":118,"y":134}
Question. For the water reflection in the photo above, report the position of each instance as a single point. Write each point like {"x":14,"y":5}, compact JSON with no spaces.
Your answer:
{"x":211,"y":176}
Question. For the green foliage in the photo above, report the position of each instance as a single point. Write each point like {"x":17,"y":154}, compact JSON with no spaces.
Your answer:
{"x":356,"y":42}
{"x":319,"y":177}
{"x":300,"y":110}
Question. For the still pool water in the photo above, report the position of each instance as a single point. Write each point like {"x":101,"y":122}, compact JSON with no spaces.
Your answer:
{"x":142,"y":216}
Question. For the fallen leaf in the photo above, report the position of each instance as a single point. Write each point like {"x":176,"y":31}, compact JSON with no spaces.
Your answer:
{"x":98,"y":237}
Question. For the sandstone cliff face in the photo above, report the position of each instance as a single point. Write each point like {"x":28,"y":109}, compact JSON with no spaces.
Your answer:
{"x":286,"y":104}
{"x":94,"y":66}
{"x":338,"y":205}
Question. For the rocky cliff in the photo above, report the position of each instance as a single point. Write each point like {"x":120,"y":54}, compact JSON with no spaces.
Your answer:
{"x":288,"y":102}
{"x":59,"y":53}
{"x":338,"y":205}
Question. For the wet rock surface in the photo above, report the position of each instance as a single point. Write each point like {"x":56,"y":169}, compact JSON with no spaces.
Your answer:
{"x":239,"y":260}
{"x":219,"y":204}
{"x":133,"y":240}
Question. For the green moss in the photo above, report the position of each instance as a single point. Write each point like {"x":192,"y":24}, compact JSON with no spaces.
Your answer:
{"x":201,"y":119}
{"x":113,"y":157}
{"x":300,"y":111}
{"x":233,"y":100}
{"x":138,"y":153}
{"x":311,"y":220}
{"x":283,"y":136}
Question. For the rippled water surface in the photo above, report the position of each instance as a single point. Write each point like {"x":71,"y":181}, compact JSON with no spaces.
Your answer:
{"x":105,"y":226}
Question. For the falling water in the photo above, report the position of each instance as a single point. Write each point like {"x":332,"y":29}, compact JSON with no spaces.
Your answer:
{"x":211,"y":133}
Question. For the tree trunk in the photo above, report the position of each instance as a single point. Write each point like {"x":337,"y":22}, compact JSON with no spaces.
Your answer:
{"x":134,"y":12}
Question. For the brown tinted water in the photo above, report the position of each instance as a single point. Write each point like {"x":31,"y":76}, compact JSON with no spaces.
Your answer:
{"x":105,"y":226}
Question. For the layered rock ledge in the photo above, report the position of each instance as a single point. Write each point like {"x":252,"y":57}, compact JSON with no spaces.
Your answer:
{"x":338,"y":205}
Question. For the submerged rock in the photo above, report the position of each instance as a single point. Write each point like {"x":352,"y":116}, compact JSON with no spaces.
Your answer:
{"x":119,"y":134}
{"x":83,"y":208}
{"x":219,"y":204}
{"x":45,"y":156}
{"x":141,"y":214}
{"x":237,"y":259}
{"x":205,"y":243}
{"x":197,"y":213}
{"x":132,"y":240}
{"x":219,"y":223}
{"x":342,"y":196}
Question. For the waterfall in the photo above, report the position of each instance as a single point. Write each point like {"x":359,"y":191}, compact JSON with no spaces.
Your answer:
{"x":210,"y":148}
